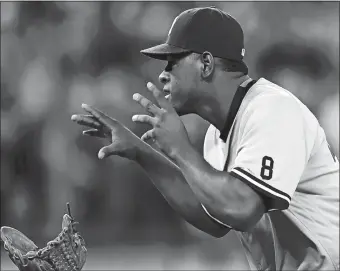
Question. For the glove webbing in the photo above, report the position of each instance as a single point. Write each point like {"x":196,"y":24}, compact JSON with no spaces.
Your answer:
{"x":57,"y":253}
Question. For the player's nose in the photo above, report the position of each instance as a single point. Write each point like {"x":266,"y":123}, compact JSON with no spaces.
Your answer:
{"x":164,"y":77}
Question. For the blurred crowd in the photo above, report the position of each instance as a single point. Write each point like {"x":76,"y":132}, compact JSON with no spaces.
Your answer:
{"x":57,"y":55}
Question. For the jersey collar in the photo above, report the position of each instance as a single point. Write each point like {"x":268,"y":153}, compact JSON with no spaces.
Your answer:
{"x":235,"y":105}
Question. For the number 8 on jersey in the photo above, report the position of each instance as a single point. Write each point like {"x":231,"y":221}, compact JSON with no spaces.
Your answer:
{"x":267,"y":168}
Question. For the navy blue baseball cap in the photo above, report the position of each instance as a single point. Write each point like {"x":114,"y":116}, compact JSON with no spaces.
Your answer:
{"x":199,"y":30}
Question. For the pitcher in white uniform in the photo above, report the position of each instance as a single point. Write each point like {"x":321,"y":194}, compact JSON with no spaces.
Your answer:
{"x":267,"y":171}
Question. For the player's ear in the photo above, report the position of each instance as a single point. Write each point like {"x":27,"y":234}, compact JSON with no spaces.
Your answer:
{"x":207,"y":66}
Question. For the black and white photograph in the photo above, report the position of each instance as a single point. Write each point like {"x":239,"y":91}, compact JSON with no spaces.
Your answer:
{"x":170,"y":135}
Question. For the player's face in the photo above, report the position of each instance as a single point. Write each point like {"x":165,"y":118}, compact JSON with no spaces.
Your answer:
{"x":181,"y":79}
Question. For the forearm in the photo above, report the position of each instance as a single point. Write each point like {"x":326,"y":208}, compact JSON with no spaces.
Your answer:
{"x":225,"y":197}
{"x":169,"y":180}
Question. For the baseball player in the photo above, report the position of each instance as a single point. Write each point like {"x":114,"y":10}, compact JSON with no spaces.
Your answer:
{"x":266,"y":173}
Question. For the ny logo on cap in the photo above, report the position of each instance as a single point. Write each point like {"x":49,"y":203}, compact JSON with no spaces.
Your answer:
{"x":243,"y":52}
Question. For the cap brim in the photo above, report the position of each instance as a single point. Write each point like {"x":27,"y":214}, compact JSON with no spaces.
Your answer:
{"x":164,"y":50}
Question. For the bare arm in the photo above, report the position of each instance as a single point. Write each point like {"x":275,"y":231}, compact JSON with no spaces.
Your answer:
{"x":170,"y":182}
{"x":186,"y":186}
{"x":164,"y":174}
{"x":225,"y":197}
{"x":192,"y":182}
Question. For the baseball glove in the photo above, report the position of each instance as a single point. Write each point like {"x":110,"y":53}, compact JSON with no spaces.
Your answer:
{"x":67,"y":252}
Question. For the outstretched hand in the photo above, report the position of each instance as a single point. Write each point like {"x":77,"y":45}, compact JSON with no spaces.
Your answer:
{"x":123,"y":141}
{"x":168,"y":132}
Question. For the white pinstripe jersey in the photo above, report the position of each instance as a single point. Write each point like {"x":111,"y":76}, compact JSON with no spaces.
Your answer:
{"x":277,"y":147}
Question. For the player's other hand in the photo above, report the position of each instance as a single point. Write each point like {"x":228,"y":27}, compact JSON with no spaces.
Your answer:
{"x":123,"y":141}
{"x":168,"y":131}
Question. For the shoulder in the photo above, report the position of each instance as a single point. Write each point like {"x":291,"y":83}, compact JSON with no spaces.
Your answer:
{"x":267,"y":101}
{"x":271,"y":112}
{"x":267,"y":93}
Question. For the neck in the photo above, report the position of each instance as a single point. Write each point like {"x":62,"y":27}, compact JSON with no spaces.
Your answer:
{"x":215,"y":110}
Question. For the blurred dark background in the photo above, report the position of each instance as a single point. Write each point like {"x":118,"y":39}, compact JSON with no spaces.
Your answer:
{"x":57,"y":55}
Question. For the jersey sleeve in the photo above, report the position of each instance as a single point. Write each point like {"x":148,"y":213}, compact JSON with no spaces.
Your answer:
{"x":272,"y":155}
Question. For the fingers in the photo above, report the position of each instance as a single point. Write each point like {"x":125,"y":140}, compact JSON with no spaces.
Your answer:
{"x":94,"y":132}
{"x":116,"y":148}
{"x":104,"y":152}
{"x":99,"y":116}
{"x":146,"y":104}
{"x":86,"y":120}
{"x":149,"y":135}
{"x":144,"y":119}
{"x":159,"y":96}
{"x":99,"y":130}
